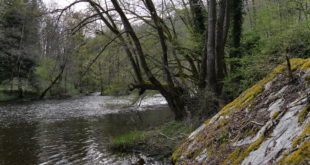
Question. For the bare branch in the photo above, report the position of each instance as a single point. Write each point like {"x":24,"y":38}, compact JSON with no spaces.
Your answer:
{"x":66,"y":8}
{"x":101,"y":51}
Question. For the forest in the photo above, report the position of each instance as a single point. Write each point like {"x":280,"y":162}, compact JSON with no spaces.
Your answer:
{"x":198,"y":54}
{"x":191,"y":52}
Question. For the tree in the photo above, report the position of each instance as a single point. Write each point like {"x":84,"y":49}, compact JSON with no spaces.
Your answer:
{"x":19,"y":40}
{"x":59,"y":47}
{"x":199,"y":16}
{"x":211,"y":56}
{"x":170,"y":82}
{"x":237,"y":19}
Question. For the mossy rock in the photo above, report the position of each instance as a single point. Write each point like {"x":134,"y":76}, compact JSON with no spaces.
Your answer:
{"x":246,"y":126}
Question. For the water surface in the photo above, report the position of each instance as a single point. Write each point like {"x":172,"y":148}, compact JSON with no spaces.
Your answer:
{"x":74,"y":131}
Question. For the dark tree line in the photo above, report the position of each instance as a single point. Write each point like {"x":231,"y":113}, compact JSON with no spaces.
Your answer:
{"x":19,"y":40}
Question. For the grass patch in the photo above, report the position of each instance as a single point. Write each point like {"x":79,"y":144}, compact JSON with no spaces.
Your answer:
{"x":5,"y":97}
{"x":126,"y":141}
{"x":173,"y":127}
{"x":6,"y":94}
{"x":159,"y":142}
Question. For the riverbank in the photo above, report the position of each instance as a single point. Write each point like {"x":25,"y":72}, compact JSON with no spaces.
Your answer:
{"x":7,"y":95}
{"x":158,"y":143}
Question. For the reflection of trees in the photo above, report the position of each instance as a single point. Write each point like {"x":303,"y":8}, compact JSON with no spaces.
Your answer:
{"x":77,"y":141}
{"x":117,"y":124}
{"x":18,"y":145}
{"x":63,"y":141}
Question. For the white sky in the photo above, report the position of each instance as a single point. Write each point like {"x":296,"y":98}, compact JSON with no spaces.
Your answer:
{"x":79,"y":6}
{"x":63,"y":3}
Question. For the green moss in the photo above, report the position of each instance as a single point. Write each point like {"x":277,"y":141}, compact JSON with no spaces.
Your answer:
{"x":299,"y":156}
{"x":199,"y":153}
{"x":177,"y":153}
{"x":249,"y":132}
{"x":275,"y":115}
{"x":221,"y":124}
{"x":302,"y":136}
{"x":207,"y":121}
{"x":232,"y":157}
{"x":308,"y":77}
{"x":246,"y":152}
{"x":303,"y":113}
{"x":222,"y":137}
{"x":306,"y":65}
{"x":298,"y":63}
{"x":280,"y":69}
{"x":244,"y":98}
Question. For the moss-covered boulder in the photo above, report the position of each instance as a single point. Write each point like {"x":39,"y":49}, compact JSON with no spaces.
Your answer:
{"x":267,"y":124}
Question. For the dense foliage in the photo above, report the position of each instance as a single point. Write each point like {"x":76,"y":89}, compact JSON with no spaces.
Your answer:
{"x":271,"y":30}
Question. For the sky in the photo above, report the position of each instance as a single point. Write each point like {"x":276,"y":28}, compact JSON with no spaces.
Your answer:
{"x":63,"y":3}
{"x":79,"y":6}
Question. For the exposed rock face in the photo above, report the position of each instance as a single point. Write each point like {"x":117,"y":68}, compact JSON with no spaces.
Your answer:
{"x":267,"y":124}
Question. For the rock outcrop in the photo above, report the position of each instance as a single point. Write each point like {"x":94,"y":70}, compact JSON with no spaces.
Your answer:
{"x":267,"y":124}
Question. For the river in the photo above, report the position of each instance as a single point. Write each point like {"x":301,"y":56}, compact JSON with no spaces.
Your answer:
{"x":74,"y":131}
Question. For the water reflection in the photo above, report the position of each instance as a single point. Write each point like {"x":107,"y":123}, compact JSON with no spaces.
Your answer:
{"x":18,"y":145}
{"x":68,"y":132}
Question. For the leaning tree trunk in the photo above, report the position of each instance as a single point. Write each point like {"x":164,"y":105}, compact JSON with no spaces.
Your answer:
{"x":162,"y":40}
{"x":113,"y":27}
{"x":53,"y":82}
{"x":169,"y":92}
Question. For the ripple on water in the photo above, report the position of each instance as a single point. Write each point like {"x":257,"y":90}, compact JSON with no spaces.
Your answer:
{"x":73,"y":131}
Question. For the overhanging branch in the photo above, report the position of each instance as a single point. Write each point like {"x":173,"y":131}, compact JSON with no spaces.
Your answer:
{"x":101,"y":51}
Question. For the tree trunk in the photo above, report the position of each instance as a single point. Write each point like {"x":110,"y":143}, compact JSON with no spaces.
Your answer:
{"x":220,"y":47}
{"x":197,"y":11}
{"x":211,"y":71}
{"x":161,"y":35}
{"x":237,"y":20}
{"x":254,"y":12}
{"x":112,"y":26}
{"x":137,"y":44}
{"x":176,"y":105}
{"x":203,"y":67}
{"x":53,"y":82}
{"x":172,"y":96}
{"x":20,"y":88}
{"x":249,"y":14}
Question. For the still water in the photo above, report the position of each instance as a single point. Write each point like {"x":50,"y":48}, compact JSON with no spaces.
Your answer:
{"x":74,"y":131}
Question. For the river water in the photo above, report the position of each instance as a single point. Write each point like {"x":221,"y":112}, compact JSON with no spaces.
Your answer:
{"x":74,"y":131}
